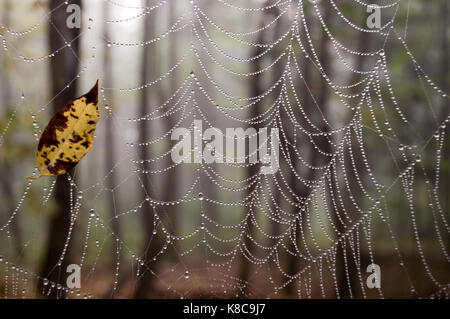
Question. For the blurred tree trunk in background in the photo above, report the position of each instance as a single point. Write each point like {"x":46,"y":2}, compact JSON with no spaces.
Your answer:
{"x":444,"y":49}
{"x":64,"y":67}
{"x":276,"y":74}
{"x":256,"y":89}
{"x":324,"y":143}
{"x":171,"y":185}
{"x":145,"y":283}
{"x":300,"y":190}
{"x":113,"y":204}
{"x":5,"y":81}
{"x":444,"y":84}
{"x":320,"y":95}
{"x":350,"y":284}
{"x":310,"y":96}
{"x":7,"y":171}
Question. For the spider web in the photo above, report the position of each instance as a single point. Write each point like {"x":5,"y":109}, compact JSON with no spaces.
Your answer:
{"x":361,"y":178}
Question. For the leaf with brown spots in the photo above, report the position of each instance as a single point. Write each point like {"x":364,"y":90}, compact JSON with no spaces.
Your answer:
{"x":68,"y":136}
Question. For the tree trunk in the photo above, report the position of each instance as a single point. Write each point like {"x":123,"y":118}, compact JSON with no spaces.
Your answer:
{"x":64,"y":68}
{"x":145,"y":283}
{"x":444,"y":84}
{"x":321,"y":96}
{"x":5,"y":82}
{"x":171,"y":184}
{"x":300,"y":190}
{"x":110,"y":152}
{"x":7,"y":174}
{"x":444,"y":49}
{"x":255,"y":90}
{"x":348,"y":287}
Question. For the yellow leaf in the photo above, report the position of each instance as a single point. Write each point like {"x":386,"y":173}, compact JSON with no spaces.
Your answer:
{"x":68,"y":136}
